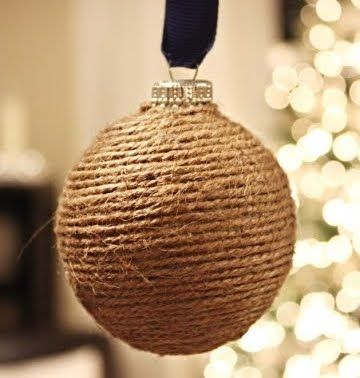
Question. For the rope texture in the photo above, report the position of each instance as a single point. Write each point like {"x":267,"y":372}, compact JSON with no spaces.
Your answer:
{"x":176,"y":229}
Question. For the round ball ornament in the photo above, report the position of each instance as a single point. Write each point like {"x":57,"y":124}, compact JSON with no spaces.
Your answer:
{"x":176,"y":228}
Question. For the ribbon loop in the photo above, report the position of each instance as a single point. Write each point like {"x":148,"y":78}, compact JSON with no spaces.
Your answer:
{"x":189,"y":31}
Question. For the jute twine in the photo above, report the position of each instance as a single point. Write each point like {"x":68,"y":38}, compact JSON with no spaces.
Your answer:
{"x":176,"y":229}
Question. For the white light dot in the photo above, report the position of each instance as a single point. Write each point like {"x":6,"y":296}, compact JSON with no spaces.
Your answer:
{"x":333,"y":173}
{"x":252,"y":340}
{"x":326,"y":351}
{"x":217,"y":369}
{"x":289,"y":157}
{"x":339,"y":248}
{"x":311,"y":78}
{"x":315,"y":310}
{"x":333,"y":211}
{"x":334,"y":119}
{"x":342,"y":48}
{"x":302,"y":99}
{"x":328,"y":10}
{"x":334,"y":325}
{"x":356,"y":3}
{"x":352,"y":281}
{"x":334,"y":97}
{"x":316,"y":299}
{"x":303,"y":251}
{"x":350,"y":217}
{"x":276,"y":98}
{"x":351,"y":341}
{"x":224,"y":354}
{"x":300,"y":366}
{"x":322,"y":138}
{"x":321,"y":37}
{"x":319,"y":256}
{"x":285,"y":78}
{"x":328,"y":63}
{"x":346,"y":146}
{"x":347,"y":300}
{"x":315,"y":143}
{"x":262,"y":335}
{"x":349,"y":366}
{"x":275,"y":334}
{"x":311,"y":186}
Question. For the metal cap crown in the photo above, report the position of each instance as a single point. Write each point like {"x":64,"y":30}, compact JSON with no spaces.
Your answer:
{"x":177,"y":92}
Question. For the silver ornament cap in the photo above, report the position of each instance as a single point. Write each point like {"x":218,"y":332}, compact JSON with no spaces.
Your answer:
{"x":178,"y":92}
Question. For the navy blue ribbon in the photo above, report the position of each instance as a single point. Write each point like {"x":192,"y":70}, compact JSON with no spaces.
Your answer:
{"x":189,"y":31}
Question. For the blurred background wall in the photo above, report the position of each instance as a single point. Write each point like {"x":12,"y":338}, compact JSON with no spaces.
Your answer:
{"x":36,"y":67}
{"x":77,"y":64}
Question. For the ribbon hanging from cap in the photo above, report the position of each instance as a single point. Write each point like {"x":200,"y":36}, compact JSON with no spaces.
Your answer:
{"x":189,"y":31}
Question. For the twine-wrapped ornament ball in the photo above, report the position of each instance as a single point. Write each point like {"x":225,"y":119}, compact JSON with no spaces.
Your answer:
{"x":176,"y":228}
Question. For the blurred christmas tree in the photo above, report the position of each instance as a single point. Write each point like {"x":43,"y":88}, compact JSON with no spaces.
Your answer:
{"x":313,"y":328}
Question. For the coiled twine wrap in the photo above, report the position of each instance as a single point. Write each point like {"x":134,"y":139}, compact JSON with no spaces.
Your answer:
{"x":176,"y":229}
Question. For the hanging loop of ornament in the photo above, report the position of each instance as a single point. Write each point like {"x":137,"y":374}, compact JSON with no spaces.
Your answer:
{"x":189,"y":31}
{"x":188,"y":35}
{"x":172,"y":77}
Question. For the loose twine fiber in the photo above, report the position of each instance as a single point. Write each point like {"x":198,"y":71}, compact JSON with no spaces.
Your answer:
{"x":176,"y":229}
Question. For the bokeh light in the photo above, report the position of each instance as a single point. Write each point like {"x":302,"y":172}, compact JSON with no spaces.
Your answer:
{"x":262,"y":335}
{"x":334,"y":97}
{"x":276,"y":98}
{"x":311,"y":78}
{"x":302,"y":99}
{"x":328,"y":63}
{"x":333,"y":173}
{"x":347,"y":300}
{"x":339,"y":248}
{"x":328,"y":10}
{"x":322,"y":37}
{"x":351,"y":341}
{"x":311,"y":186}
{"x":289,"y":157}
{"x":315,"y":143}
{"x":346,"y":146}
{"x":326,"y":351}
{"x":217,"y":369}
{"x":349,"y":366}
{"x":300,"y":366}
{"x":334,"y":119}
{"x":285,"y":78}
{"x":333,"y":211}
